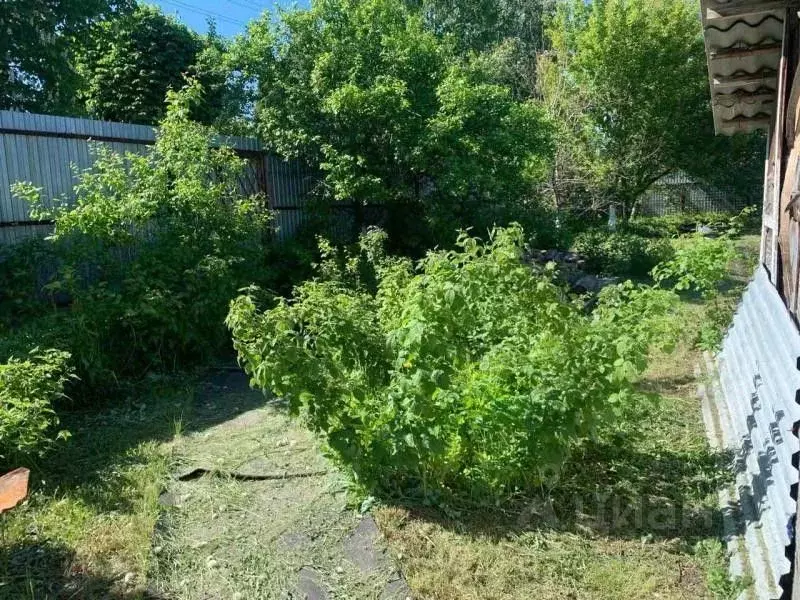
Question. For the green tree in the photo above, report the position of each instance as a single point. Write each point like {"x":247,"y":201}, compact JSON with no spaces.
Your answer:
{"x":628,"y":86}
{"x":390,"y":111}
{"x":170,"y":240}
{"x":35,"y":45}
{"x":509,"y":33}
{"x":223,"y":103}
{"x":131,"y":62}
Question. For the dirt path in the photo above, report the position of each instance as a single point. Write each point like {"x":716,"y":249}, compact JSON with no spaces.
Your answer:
{"x":262,"y":514}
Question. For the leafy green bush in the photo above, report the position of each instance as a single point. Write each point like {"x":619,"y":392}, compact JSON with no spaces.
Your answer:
{"x":716,"y":320}
{"x":19,"y":281}
{"x":467,"y":370}
{"x":28,"y":389}
{"x":620,"y":253}
{"x":672,"y":226}
{"x":152,"y":252}
{"x":700,"y":265}
{"x":747,"y":221}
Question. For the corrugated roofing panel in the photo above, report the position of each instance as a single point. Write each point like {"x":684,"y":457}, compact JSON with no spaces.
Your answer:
{"x":744,"y":40}
{"x":750,"y":407}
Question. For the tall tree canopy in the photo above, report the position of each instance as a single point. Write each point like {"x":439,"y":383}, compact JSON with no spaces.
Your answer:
{"x":453,"y":105}
{"x":390,"y":110}
{"x":130,"y":63}
{"x":35,"y":42}
{"x":509,"y":33}
{"x":479,"y":25}
{"x":627,"y":82}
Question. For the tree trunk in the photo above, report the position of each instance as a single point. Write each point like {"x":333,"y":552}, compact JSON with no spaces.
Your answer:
{"x":634,"y":207}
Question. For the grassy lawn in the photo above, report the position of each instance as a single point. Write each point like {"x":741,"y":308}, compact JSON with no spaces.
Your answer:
{"x":85,"y":531}
{"x":634,"y":516}
{"x":225,"y":537}
{"x":118,"y":525}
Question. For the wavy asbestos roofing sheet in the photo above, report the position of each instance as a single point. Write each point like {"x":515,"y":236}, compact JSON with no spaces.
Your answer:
{"x":750,"y":408}
{"x":744,"y":40}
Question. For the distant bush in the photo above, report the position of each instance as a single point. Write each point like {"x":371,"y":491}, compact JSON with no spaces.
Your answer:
{"x":151,"y":253}
{"x":700,"y":265}
{"x":28,"y":388}
{"x":672,"y":226}
{"x":621,"y":253}
{"x":466,"y":371}
{"x":22,"y":270}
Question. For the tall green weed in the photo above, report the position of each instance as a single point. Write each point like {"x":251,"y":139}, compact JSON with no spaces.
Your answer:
{"x":700,"y":265}
{"x":464,"y":371}
{"x":28,"y":388}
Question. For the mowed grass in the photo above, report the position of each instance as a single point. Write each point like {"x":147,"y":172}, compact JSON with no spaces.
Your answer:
{"x":107,"y":518}
{"x":238,"y":539}
{"x":630,"y":518}
{"x":85,"y":530}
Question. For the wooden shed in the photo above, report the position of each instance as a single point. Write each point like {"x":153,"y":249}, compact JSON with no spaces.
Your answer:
{"x":753,"y":48}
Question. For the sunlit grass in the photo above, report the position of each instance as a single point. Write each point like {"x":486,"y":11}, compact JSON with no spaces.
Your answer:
{"x":87,"y":525}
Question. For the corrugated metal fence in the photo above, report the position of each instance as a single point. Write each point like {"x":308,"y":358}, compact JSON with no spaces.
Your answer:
{"x":750,"y":408}
{"x":47,"y":151}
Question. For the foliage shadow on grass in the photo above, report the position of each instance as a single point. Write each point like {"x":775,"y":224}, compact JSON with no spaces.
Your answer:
{"x":608,"y":490}
{"x":95,"y":466}
{"x":47,"y":570}
{"x":104,"y":443}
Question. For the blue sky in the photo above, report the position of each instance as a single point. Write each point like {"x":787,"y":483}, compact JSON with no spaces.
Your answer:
{"x":230,"y":15}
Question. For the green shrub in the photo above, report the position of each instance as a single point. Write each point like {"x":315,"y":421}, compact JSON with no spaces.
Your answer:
{"x":747,"y":221}
{"x":620,"y":253}
{"x":672,"y":226}
{"x":700,"y":265}
{"x":716,"y":320}
{"x":23,"y":268}
{"x":466,"y":371}
{"x":152,"y":252}
{"x":28,"y":389}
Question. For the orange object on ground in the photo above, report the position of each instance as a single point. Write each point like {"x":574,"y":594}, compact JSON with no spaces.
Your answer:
{"x":13,"y":488}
